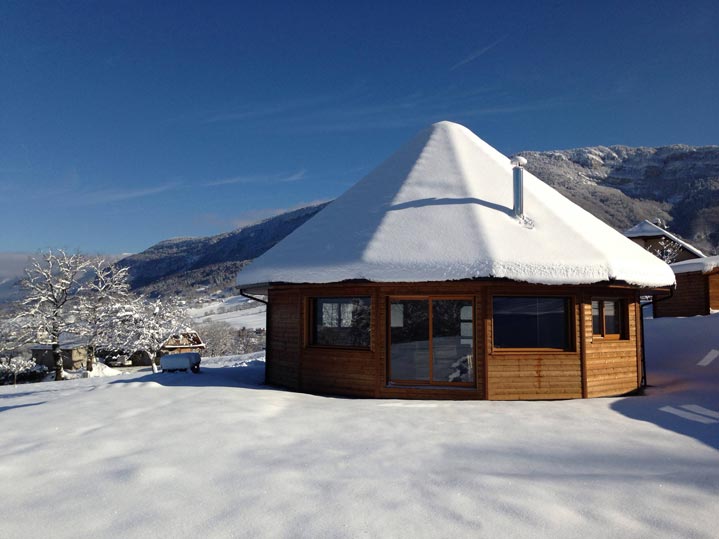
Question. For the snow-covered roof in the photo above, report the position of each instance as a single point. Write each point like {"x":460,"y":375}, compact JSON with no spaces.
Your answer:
{"x":440,"y":209}
{"x":647,"y":229}
{"x":185,"y":339}
{"x":706,"y":264}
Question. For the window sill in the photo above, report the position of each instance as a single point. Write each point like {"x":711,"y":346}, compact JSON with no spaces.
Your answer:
{"x":609,"y":338}
{"x":529,"y":351}
{"x":463,"y":386}
{"x":342,"y":348}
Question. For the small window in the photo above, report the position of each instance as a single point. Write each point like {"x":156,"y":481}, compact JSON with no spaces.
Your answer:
{"x":608,"y":318}
{"x":531,"y":322}
{"x":341,"y":322}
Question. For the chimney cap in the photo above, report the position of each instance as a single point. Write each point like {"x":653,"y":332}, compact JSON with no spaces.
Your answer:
{"x":518,"y":161}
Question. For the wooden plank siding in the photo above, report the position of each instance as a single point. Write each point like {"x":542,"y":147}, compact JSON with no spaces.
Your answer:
{"x":282,"y":366}
{"x":591,"y":368}
{"x":613,"y":366}
{"x":690,"y":298}
{"x":713,"y":284}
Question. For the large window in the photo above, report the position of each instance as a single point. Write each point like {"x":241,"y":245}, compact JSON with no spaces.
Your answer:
{"x":608,"y":318}
{"x":343,"y":322}
{"x":431,"y":341}
{"x":531,"y":322}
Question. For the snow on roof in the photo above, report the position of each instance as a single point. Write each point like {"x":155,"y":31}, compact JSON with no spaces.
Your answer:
{"x":647,"y":229}
{"x":706,"y":264}
{"x":185,"y":339}
{"x":440,"y":209}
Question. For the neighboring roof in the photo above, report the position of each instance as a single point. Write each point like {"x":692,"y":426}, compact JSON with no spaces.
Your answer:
{"x":441,"y":209}
{"x":187,"y":339}
{"x":704,"y":265}
{"x":647,"y":229}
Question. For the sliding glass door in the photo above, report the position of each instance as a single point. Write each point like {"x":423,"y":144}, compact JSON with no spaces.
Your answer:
{"x":431,"y":341}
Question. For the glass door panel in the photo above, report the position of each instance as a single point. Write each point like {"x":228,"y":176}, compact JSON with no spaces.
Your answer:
{"x":432,"y":341}
{"x":452,"y":338}
{"x":409,"y":351}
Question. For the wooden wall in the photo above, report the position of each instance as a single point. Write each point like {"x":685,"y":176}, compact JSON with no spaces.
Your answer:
{"x":713,"y":284}
{"x":690,"y":298}
{"x":612,"y":367}
{"x":284,"y":338}
{"x":592,"y":368}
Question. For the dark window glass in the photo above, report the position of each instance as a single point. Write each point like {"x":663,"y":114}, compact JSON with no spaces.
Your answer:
{"x":531,"y":322}
{"x":612,"y":318}
{"x":342,"y":322}
{"x":409,"y":324}
{"x":596,"y":318}
{"x":607,"y":317}
{"x":452,"y":340}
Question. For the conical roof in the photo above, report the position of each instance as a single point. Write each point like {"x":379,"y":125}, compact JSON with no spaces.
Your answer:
{"x":440,"y":209}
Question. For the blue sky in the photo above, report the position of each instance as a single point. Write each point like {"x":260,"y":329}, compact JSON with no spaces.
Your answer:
{"x":125,"y":123}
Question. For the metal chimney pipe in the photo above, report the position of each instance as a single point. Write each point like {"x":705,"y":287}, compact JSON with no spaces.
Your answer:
{"x":518,"y":163}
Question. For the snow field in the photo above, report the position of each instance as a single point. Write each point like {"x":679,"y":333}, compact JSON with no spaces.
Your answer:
{"x":219,"y":455}
{"x":251,"y":318}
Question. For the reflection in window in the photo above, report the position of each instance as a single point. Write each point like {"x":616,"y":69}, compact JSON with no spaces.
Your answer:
{"x":410,"y":340}
{"x":531,"y":322}
{"x":442,"y":353}
{"x":342,"y":322}
{"x":607,"y":318}
{"x":452,"y":340}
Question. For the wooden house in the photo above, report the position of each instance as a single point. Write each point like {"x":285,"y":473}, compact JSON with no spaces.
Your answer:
{"x":657,"y":239}
{"x":697,"y":290}
{"x":451,"y":273}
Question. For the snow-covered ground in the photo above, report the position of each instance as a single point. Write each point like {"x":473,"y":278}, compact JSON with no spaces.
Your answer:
{"x":237,"y":311}
{"x":220,"y":455}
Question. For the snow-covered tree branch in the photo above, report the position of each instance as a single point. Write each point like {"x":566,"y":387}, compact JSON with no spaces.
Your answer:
{"x":666,"y":249}
{"x":53,"y":282}
{"x":147,"y":324}
{"x":103,"y":294}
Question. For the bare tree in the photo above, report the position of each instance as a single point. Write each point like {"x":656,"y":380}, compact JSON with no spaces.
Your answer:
{"x":107,"y":291}
{"x":16,"y":365}
{"x":220,"y":338}
{"x":147,"y":324}
{"x":52,"y":283}
{"x":666,"y":249}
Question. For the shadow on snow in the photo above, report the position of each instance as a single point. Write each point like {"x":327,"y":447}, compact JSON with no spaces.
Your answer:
{"x":249,"y":376}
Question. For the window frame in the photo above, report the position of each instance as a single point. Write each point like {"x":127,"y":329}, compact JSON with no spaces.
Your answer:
{"x":390,"y":382}
{"x":312,"y":326}
{"x":621,"y":306}
{"x":571,"y":344}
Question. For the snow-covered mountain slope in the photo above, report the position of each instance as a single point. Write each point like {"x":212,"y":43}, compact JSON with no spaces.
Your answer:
{"x":186,"y":265}
{"x":12,"y":266}
{"x":623,"y":185}
{"x":218,"y":454}
{"x":237,"y":311}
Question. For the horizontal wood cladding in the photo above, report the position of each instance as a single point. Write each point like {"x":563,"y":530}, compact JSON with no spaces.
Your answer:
{"x":690,"y":298}
{"x":613,"y":366}
{"x":591,"y":367}
{"x":713,"y":284}
{"x":284,"y":331}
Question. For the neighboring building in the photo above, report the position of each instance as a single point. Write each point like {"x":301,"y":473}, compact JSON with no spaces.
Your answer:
{"x":74,"y":356}
{"x":179,"y":343}
{"x":656,"y":239}
{"x":433,"y":277}
{"x":697,"y":291}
